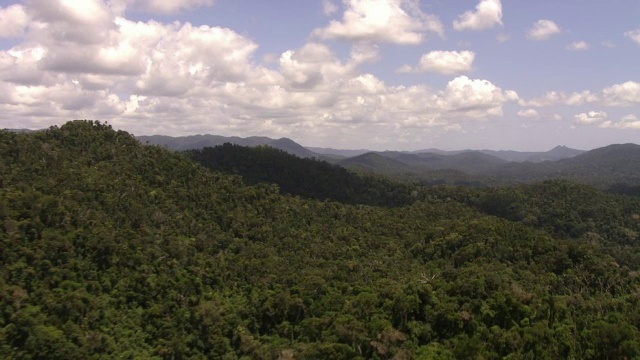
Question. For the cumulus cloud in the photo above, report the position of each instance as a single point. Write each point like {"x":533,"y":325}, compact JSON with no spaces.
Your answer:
{"x":561,"y":98}
{"x":528,"y":113}
{"x":158,"y":6}
{"x":476,"y":98}
{"x":443,"y":62}
{"x":393,"y":21}
{"x":329,"y":7}
{"x":578,"y":46}
{"x":628,"y":122}
{"x":312,"y":65}
{"x":488,"y":13}
{"x":623,"y":94}
{"x":177,"y":78}
{"x":633,"y":35}
{"x":543,"y":30}
{"x":13,"y":21}
{"x":591,"y":117}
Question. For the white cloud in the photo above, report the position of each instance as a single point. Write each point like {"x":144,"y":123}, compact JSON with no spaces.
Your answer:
{"x":443,"y":62}
{"x":475,"y":98}
{"x":608,"y":44}
{"x":364,"y":53}
{"x":393,"y":21}
{"x":329,"y":7}
{"x":503,"y":38}
{"x":488,"y":13}
{"x":164,"y":7}
{"x":13,"y":21}
{"x":633,"y":35}
{"x":151,"y":77}
{"x":627,"y":122}
{"x":70,"y":12}
{"x":65,"y":24}
{"x":578,"y":46}
{"x":311,"y":66}
{"x":590,"y":117}
{"x":528,"y":113}
{"x":20,"y":65}
{"x":543,"y":29}
{"x":561,"y":98}
{"x":625,"y":94}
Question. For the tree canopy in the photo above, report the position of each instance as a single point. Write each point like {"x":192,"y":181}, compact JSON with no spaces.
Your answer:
{"x":113,"y":249}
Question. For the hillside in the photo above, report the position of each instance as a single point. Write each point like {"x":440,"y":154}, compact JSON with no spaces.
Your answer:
{"x":557,"y":153}
{"x":614,"y":167}
{"x":602,"y":167}
{"x":304,"y":177}
{"x":181,"y":143}
{"x":375,"y":163}
{"x":112,"y":249}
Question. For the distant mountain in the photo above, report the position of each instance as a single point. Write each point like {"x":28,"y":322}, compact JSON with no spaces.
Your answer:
{"x":20,"y":130}
{"x":555,"y":154}
{"x":614,"y":167}
{"x":470,"y":162}
{"x":375,"y":163}
{"x":199,"y":141}
{"x":438,"y":151}
{"x":337,"y":153}
{"x":181,"y":143}
{"x":292,"y":148}
{"x":603,"y":167}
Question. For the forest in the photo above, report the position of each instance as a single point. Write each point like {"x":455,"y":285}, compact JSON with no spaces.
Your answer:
{"x":110,"y":248}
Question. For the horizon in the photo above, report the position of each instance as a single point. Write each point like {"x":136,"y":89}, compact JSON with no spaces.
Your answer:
{"x":397,"y":75}
{"x":344,"y":149}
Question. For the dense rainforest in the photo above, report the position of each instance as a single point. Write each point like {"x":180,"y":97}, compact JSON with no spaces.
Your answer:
{"x":304,"y":177}
{"x":112,"y":249}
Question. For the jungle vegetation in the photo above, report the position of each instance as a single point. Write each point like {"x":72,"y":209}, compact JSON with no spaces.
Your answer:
{"x":113,"y":249}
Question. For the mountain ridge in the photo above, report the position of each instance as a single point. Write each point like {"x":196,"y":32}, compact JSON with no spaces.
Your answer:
{"x":200,"y":141}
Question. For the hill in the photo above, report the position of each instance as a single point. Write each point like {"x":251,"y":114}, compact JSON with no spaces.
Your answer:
{"x":200,"y":141}
{"x":602,"y":167}
{"x":112,"y":249}
{"x":614,"y":167}
{"x":375,"y":163}
{"x":181,"y":143}
{"x":337,"y":153}
{"x":304,"y":177}
{"x":557,"y":153}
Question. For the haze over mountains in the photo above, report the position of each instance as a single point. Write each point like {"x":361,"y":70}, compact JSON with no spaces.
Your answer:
{"x":613,"y":165}
{"x":200,"y":141}
{"x":616,"y":166}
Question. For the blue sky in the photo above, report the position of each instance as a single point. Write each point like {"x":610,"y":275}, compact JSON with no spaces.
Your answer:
{"x":377,"y":74}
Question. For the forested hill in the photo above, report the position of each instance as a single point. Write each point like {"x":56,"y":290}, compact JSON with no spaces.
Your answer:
{"x":304,"y":177}
{"x":192,"y":142}
{"x":111,"y":249}
{"x":614,"y":167}
{"x":617,"y":164}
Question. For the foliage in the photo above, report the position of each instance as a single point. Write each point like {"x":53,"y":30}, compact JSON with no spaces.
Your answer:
{"x":304,"y":177}
{"x":111,"y":249}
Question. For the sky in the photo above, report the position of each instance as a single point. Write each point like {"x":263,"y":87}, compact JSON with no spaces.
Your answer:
{"x":375,"y":74}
